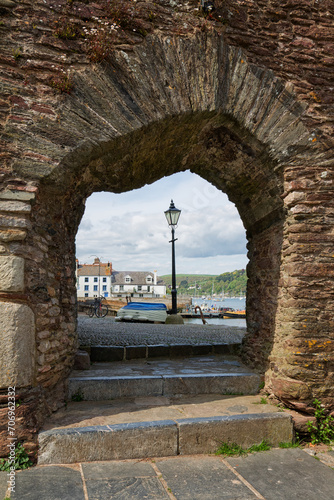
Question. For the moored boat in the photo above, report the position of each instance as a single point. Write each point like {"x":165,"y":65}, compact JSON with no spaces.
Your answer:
{"x":234,"y":314}
{"x":143,"y":312}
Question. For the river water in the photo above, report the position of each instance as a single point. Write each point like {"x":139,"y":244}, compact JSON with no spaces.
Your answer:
{"x":236,"y":304}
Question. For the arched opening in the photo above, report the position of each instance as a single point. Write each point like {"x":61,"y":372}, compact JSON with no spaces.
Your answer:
{"x":130,"y":228}
{"x":200,"y":107}
{"x":129,"y":231}
{"x":208,"y":144}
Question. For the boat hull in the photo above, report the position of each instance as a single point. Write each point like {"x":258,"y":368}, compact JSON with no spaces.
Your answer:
{"x":236,"y":314}
{"x":141,"y":312}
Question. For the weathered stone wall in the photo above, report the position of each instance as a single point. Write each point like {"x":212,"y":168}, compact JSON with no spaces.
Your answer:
{"x":244,"y":100}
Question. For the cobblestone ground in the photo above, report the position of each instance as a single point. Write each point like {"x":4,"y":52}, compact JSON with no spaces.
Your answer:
{"x":106,"y":331}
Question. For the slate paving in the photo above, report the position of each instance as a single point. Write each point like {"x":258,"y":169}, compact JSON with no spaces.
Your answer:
{"x":277,"y":474}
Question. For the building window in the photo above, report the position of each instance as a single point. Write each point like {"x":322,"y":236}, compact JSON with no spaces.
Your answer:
{"x":121,"y":288}
{"x":139,"y":288}
{"x":104,"y":280}
{"x":104,"y":288}
{"x":87,"y":287}
{"x":127,"y":279}
{"x":141,"y":295}
{"x":86,"y":280}
{"x":86,"y":294}
{"x":148,"y":288}
{"x":95,"y":280}
{"x":149,"y":279}
{"x":95,"y":288}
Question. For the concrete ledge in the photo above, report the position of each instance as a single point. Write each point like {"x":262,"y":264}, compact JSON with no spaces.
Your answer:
{"x":161,"y":438}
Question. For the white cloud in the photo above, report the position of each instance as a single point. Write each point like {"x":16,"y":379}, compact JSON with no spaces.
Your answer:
{"x":131,"y":231}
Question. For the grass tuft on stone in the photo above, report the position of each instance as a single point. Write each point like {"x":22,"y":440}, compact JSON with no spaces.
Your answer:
{"x":230,"y":450}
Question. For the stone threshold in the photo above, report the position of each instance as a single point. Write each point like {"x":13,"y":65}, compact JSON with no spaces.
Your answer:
{"x":161,"y":438}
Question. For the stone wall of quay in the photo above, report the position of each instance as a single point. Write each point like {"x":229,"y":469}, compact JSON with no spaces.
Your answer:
{"x":244,"y":99}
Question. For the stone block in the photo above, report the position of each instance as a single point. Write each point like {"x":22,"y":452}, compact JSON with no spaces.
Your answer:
{"x":81,"y":361}
{"x":104,"y":388}
{"x":11,"y":221}
{"x":226,"y":348}
{"x":227,"y":383}
{"x":14,"y":206}
{"x":115,"y":442}
{"x":8,"y":235}
{"x":7,"y":3}
{"x":78,"y":444}
{"x":144,"y":439}
{"x":135,"y":352}
{"x":11,"y":274}
{"x":17,"y":354}
{"x":180,"y":350}
{"x":157,"y":351}
{"x":205,"y":435}
{"x":201,"y":349}
{"x":106,"y":353}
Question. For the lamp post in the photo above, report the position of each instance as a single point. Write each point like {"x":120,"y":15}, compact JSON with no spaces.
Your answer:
{"x":172,"y":216}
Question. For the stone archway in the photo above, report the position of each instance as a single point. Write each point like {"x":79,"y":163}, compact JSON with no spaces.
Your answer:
{"x":170,"y":104}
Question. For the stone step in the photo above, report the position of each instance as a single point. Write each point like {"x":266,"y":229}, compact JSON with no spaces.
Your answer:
{"x":162,"y":438}
{"x":103,"y":353}
{"x":214,"y":374}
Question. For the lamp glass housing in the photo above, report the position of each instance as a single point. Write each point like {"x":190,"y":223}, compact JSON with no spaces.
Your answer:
{"x":172,"y":214}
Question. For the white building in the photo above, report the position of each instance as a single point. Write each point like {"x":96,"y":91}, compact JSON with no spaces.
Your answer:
{"x":137,"y":284}
{"x":94,"y":280}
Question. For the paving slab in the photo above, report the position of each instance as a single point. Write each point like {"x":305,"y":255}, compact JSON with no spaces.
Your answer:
{"x":286,"y":474}
{"x":204,"y":478}
{"x":278,"y":474}
{"x":127,"y":489}
{"x":126,"y":480}
{"x":3,"y":484}
{"x":117,"y":470}
{"x":48,"y":483}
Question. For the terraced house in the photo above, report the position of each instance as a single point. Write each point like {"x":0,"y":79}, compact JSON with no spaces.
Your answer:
{"x":94,"y":280}
{"x":137,"y":284}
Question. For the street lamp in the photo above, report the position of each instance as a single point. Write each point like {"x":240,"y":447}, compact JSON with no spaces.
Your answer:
{"x":172,"y":216}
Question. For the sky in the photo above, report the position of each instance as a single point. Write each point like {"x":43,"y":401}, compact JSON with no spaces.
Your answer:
{"x":131,"y":231}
